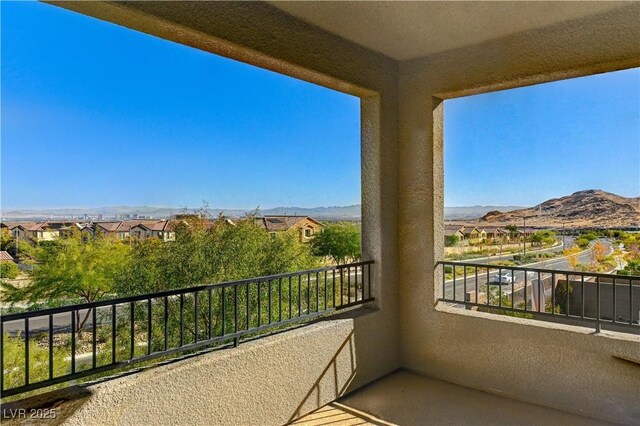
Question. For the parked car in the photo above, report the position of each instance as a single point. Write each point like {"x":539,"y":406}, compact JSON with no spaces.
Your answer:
{"x":503,"y":277}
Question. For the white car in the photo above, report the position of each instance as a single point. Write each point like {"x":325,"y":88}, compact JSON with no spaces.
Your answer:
{"x":503,"y":277}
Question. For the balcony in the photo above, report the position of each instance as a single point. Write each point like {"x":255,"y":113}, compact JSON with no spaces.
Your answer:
{"x":47,"y":347}
{"x":294,"y":318}
{"x":469,"y":365}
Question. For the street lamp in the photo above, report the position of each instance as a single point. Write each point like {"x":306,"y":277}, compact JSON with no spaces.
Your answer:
{"x":524,"y":242}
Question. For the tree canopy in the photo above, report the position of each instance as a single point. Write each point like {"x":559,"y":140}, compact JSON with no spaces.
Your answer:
{"x":451,"y":240}
{"x":71,"y":268}
{"x":202,"y":254}
{"x":340,"y":242}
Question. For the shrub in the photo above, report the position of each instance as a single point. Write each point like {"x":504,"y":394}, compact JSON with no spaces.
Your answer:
{"x":9,"y":270}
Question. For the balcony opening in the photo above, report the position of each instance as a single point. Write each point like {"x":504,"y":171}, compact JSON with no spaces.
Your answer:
{"x":542,"y":201}
{"x":154,"y":201}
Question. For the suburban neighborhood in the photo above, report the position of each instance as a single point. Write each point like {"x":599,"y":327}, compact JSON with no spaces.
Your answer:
{"x":139,"y":230}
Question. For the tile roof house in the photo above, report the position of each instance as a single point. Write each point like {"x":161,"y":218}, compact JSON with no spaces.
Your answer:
{"x":496,"y":233}
{"x":473,"y":234}
{"x":19,"y":230}
{"x":162,"y":229}
{"x":457,"y":230}
{"x":5,"y":256}
{"x":46,"y":231}
{"x":118,"y":229}
{"x":306,"y":225}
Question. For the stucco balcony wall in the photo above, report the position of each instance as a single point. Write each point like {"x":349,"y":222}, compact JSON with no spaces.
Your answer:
{"x":269,"y":381}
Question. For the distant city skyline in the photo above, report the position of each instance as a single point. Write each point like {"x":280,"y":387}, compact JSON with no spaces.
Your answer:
{"x":95,"y":115}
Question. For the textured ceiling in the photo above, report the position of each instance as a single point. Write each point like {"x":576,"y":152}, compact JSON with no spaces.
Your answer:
{"x":407,"y":30}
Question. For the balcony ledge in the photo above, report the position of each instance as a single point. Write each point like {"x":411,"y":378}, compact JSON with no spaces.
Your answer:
{"x":444,"y":308}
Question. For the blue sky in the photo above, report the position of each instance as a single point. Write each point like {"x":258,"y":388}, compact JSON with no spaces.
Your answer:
{"x":94,"y":114}
{"x":526,"y":145}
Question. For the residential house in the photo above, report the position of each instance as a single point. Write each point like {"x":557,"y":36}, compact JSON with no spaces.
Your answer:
{"x":47,"y":231}
{"x":141,"y":231}
{"x":119,"y":229}
{"x":454,"y":230}
{"x":87,"y":230}
{"x":162,"y":229}
{"x":474,"y":235}
{"x":67,"y":230}
{"x":6,"y":227}
{"x":495,"y":234}
{"x":19,"y":230}
{"x":307,"y":227}
{"x":525,"y":233}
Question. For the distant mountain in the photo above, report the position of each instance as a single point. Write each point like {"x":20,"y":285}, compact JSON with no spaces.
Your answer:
{"x":584,"y":208}
{"x":592,"y":207}
{"x":328,"y":213}
{"x":110,"y":212}
{"x":473,"y":212}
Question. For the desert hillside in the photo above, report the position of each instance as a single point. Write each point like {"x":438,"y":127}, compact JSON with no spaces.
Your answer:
{"x":584,"y":208}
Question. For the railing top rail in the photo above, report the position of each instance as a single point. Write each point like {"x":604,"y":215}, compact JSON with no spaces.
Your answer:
{"x":175,"y":292}
{"x":529,"y":269}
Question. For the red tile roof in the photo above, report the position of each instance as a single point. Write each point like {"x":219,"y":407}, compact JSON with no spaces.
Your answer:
{"x":5,"y":256}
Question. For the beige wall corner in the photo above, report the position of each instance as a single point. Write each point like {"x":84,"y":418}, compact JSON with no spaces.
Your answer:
{"x":566,"y":368}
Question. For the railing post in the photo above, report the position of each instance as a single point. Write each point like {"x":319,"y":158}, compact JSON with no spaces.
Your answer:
{"x":2,"y":357}
{"x":236,"y":340}
{"x":598,"y":329}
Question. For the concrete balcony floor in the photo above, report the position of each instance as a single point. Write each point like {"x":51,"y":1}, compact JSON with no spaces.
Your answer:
{"x":404,"y":398}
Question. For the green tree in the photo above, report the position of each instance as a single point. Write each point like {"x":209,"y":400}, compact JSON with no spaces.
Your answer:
{"x":9,"y":270}
{"x":451,"y":240}
{"x":340,"y":242}
{"x":563,"y":292}
{"x":582,"y":242}
{"x":7,"y":242}
{"x":632,"y":268}
{"x":513,"y":231}
{"x":72,"y":268}
{"x":204,"y":253}
{"x":541,"y":238}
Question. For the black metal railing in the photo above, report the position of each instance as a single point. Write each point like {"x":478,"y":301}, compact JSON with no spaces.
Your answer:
{"x":57,"y":345}
{"x":556,"y":295}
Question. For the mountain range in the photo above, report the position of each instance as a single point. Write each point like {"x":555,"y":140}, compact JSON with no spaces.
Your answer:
{"x":328,"y":213}
{"x":335,"y":213}
{"x":592,"y":207}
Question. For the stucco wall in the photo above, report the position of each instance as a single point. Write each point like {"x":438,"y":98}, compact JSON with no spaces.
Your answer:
{"x":558,"y":366}
{"x":270,"y":381}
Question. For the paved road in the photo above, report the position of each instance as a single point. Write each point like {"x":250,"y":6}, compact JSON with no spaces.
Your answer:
{"x":497,"y":258}
{"x":558,"y":264}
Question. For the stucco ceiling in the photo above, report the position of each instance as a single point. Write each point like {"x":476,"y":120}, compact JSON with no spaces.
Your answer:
{"x":407,"y":30}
